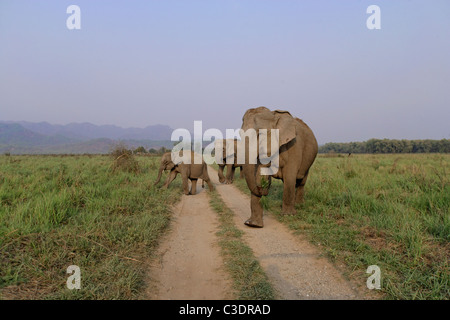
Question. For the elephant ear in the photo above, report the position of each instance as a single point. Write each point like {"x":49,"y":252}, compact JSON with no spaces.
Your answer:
{"x":286,"y":124}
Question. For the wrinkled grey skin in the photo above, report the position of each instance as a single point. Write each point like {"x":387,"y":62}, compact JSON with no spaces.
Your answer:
{"x":230,"y":167}
{"x":297,"y":152}
{"x":191,"y":172}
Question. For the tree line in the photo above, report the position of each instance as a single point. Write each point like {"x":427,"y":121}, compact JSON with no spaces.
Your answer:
{"x":388,"y":146}
{"x":369,"y":146}
{"x":142,"y":150}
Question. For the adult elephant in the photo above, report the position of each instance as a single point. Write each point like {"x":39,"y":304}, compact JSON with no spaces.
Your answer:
{"x":231,"y":167}
{"x":297,"y":152}
{"x":191,"y":172}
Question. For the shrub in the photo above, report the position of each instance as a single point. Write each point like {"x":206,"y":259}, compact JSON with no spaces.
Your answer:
{"x":123,"y":159}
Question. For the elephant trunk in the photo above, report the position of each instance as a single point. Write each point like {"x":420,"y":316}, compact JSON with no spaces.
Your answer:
{"x":161,"y":169}
{"x":253,"y":177}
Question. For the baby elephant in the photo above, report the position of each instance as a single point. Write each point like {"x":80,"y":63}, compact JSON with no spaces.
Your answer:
{"x":192,"y":172}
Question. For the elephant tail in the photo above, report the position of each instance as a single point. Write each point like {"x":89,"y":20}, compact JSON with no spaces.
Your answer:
{"x":205,"y":177}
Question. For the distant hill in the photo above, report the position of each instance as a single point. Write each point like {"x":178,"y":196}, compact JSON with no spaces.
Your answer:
{"x":45,"y":138}
{"x":15,"y":134}
{"x":87,"y":131}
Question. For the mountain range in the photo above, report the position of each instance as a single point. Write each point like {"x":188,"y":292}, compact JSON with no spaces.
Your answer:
{"x":22,"y":137}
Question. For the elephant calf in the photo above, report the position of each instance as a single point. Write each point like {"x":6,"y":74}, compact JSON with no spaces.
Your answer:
{"x":191,"y":172}
{"x":231,"y":167}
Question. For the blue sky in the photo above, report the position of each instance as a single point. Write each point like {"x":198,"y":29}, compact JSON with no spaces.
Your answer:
{"x":138,"y":63}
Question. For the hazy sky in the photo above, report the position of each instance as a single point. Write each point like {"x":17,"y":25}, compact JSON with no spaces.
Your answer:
{"x":138,"y":63}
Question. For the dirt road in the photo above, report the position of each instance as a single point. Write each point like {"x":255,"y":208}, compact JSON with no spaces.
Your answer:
{"x":191,"y":267}
{"x":293,"y":265}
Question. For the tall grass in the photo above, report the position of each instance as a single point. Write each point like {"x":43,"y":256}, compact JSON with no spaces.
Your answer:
{"x":61,"y":211}
{"x":388,"y":210}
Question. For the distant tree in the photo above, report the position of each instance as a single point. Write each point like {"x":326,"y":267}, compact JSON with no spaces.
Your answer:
{"x":140,"y":149}
{"x":444,"y":146}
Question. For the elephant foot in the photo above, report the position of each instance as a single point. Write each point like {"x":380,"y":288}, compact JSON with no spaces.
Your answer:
{"x":252,"y":223}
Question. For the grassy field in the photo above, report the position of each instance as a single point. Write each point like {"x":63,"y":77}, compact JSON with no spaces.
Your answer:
{"x":61,"y":211}
{"x":386,"y":210}
{"x":56,"y":211}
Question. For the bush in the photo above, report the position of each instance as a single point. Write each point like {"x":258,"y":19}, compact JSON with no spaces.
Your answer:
{"x":140,"y":149}
{"x":123,"y":159}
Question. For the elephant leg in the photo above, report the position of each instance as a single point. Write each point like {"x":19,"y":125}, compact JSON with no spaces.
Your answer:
{"x":220,"y":172}
{"x":256,"y":218}
{"x":206,"y":179}
{"x":233,"y":170}
{"x":185,"y":183}
{"x":289,"y":195}
{"x":241,"y":173}
{"x":300,"y":189}
{"x":230,"y":174}
{"x":194,"y":186}
{"x":170,"y":178}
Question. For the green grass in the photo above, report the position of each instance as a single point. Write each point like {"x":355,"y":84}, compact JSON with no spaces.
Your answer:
{"x":62,"y":211}
{"x":55,"y":211}
{"x":388,"y":210}
{"x":249,"y":280}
